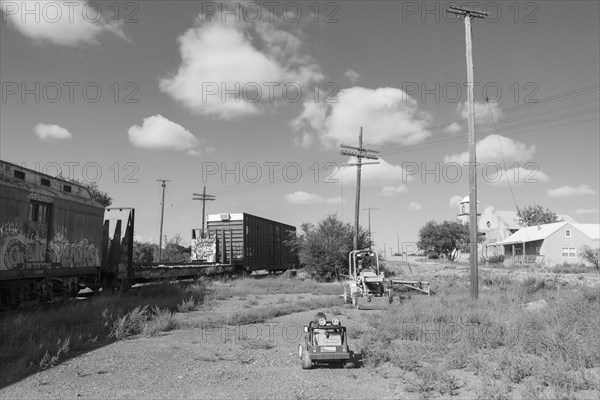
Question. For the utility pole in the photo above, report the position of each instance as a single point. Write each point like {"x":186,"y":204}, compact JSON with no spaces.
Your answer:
{"x":370,"y":233}
{"x":360,"y":153}
{"x":468,"y":15}
{"x":398,"y":239}
{"x":204,"y":198}
{"x":162,"y":215}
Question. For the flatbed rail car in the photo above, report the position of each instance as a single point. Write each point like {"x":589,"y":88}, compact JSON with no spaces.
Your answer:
{"x":256,"y":243}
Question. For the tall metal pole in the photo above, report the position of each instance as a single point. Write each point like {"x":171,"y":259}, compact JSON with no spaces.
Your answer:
{"x":473,"y":235}
{"x":162,"y":215}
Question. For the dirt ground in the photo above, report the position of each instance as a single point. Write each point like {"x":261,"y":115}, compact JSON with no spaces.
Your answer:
{"x":214,"y":361}
{"x":210,"y":361}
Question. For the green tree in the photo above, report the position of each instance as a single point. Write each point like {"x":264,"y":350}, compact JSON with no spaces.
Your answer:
{"x":535,"y":215}
{"x":591,"y":255}
{"x":174,"y":251}
{"x":97,"y":194}
{"x":323,"y":248}
{"x":444,"y":238}
{"x":144,"y":252}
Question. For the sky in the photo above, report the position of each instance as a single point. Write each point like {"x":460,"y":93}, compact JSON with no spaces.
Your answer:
{"x":254,"y":99}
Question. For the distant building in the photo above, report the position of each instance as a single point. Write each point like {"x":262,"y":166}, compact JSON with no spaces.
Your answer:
{"x":495,"y":225}
{"x":464,"y":210}
{"x":551,"y":244}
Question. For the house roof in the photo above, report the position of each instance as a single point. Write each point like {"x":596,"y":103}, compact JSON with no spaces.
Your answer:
{"x":540,"y":232}
{"x":533,"y":233}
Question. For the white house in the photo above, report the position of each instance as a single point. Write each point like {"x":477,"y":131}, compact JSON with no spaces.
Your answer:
{"x":551,"y":244}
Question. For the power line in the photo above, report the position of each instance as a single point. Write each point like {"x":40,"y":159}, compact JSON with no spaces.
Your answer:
{"x":203,"y":198}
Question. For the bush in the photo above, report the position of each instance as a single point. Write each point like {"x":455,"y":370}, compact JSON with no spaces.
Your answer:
{"x":497,"y":259}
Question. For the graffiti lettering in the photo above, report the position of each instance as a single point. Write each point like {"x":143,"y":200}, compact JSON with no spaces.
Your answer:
{"x":22,"y":245}
{"x":204,"y":249}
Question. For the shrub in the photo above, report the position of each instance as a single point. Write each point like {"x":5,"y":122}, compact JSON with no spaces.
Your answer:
{"x":497,"y":259}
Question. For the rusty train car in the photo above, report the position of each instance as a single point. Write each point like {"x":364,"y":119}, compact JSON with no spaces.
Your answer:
{"x":255,"y":243}
{"x":50,"y":236}
{"x":55,"y":239}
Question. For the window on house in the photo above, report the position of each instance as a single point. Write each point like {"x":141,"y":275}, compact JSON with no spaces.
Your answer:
{"x":567,"y":232}
{"x":569,"y":252}
{"x":67,"y":188}
{"x":45,"y":182}
{"x":19,"y":174}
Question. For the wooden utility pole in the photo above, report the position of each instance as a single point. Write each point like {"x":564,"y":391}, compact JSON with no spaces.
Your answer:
{"x":370,"y":233}
{"x":162,"y":215}
{"x":360,"y":153}
{"x":468,"y":15}
{"x":204,"y":198}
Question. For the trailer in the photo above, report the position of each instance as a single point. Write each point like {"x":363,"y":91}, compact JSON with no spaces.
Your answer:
{"x":253,"y":243}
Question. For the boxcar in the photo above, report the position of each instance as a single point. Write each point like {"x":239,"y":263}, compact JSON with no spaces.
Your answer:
{"x":50,"y":236}
{"x":254,"y":243}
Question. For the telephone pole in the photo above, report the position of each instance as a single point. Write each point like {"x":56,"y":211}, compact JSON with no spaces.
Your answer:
{"x":468,"y":15}
{"x":370,"y":233}
{"x":204,"y":198}
{"x":162,"y":215}
{"x":360,"y":153}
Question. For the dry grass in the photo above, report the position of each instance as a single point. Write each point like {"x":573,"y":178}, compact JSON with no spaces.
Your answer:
{"x":556,"y":348}
{"x":220,"y":290}
{"x":32,"y":340}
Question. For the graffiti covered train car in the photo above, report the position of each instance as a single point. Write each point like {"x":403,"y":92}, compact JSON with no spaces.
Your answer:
{"x":50,"y":236}
{"x":255,"y":243}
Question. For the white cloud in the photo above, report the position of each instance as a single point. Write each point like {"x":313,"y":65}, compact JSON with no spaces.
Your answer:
{"x":301,"y":197}
{"x":49,"y":132}
{"x":516,"y":176}
{"x":483,"y":116}
{"x":158,"y":133}
{"x":388,"y":115}
{"x":335,"y":200}
{"x":454,"y":200}
{"x":568,"y":191}
{"x":352,"y":75}
{"x":453,"y":128}
{"x":415,"y":206}
{"x":582,"y":211}
{"x":254,"y":61}
{"x":62,"y":23}
{"x":383,"y":173}
{"x":489,"y":150}
{"x":390,"y":191}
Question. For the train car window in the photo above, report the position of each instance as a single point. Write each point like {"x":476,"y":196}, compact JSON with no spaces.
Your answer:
{"x":45,"y":182}
{"x":19,"y":175}
{"x":67,"y":188}
{"x":39,"y":212}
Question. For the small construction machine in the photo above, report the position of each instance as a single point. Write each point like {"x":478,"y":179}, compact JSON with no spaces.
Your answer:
{"x":366,"y":287}
{"x":325,"y":342}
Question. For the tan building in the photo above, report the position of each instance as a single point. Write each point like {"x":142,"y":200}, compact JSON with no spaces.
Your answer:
{"x":551,"y":244}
